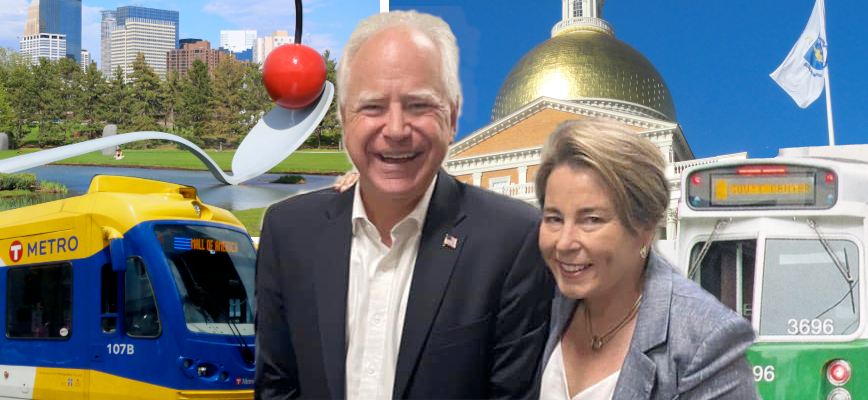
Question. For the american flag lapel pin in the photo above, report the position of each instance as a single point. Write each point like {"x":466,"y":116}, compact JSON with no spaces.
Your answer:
{"x":450,"y":241}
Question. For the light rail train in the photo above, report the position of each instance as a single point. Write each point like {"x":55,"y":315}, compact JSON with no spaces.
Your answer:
{"x":135,"y":290}
{"x":782,"y":242}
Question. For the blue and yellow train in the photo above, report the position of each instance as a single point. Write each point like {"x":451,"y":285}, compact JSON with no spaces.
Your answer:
{"x":135,"y":290}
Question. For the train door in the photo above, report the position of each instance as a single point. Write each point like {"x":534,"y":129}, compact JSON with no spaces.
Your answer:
{"x":123,"y":353}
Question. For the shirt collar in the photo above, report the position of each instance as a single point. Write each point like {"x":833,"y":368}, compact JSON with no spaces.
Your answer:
{"x":417,"y":214}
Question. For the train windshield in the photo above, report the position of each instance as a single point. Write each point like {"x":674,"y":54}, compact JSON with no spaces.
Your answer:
{"x":214,"y":270}
{"x":809,"y":286}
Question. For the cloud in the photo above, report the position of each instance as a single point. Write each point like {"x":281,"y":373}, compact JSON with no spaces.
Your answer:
{"x":13,"y":18}
{"x":91,"y":21}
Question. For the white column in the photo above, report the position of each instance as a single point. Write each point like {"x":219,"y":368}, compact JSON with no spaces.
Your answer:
{"x":522,"y":175}
{"x":477,"y":178}
{"x":671,"y":220}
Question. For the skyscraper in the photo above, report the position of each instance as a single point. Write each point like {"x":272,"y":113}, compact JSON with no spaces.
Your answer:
{"x":49,"y":45}
{"x":109,"y":21}
{"x":144,"y":13}
{"x":154,"y":38}
{"x":58,"y":17}
{"x":85,"y":59}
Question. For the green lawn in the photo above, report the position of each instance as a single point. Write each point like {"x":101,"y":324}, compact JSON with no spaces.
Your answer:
{"x":252,"y":220}
{"x":311,"y":163}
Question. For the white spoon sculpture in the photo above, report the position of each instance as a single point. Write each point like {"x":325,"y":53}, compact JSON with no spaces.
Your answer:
{"x":272,"y":140}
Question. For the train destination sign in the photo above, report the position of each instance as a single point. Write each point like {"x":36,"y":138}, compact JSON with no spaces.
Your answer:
{"x":733,"y":190}
{"x":762,"y":186}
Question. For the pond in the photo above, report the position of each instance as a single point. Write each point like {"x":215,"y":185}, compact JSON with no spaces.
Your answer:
{"x":254,"y":193}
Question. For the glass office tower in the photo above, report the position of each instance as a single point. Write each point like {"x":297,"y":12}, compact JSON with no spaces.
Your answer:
{"x":148,"y":13}
{"x":63,"y":17}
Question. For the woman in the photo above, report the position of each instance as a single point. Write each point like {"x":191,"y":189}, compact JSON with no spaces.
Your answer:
{"x":625,"y":324}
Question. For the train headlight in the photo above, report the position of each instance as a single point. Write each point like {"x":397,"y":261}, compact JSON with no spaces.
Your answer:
{"x":198,"y":209}
{"x":839,"y":394}
{"x":838,"y":373}
{"x":203,"y":370}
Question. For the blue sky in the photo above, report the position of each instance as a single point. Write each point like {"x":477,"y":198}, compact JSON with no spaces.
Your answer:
{"x":329,"y":22}
{"x":715,"y":56}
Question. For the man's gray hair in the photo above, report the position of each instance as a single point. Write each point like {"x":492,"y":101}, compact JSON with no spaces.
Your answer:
{"x":433,"y":27}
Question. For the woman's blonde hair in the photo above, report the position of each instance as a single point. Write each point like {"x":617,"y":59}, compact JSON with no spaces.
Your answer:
{"x":630,"y":166}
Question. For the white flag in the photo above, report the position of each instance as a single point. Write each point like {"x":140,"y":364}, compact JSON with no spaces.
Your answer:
{"x":802,"y":73}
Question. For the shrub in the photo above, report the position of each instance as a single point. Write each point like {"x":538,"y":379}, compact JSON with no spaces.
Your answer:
{"x":293,"y":179}
{"x":17,"y":181}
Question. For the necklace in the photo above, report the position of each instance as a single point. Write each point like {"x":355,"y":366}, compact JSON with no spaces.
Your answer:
{"x":597,"y":342}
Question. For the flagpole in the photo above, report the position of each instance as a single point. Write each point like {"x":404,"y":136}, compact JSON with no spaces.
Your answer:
{"x":828,"y":89}
{"x":829,"y":109}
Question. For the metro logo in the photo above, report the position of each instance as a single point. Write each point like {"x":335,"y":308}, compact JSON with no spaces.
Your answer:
{"x":16,"y":250}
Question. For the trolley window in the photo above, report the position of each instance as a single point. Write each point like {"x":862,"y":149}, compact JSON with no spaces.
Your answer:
{"x":214,"y":270}
{"x":804,"y":291}
{"x":39,"y":302}
{"x":727,"y":272}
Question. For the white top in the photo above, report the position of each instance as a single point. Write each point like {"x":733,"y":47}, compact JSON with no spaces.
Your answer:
{"x":379,"y":285}
{"x":554,"y":382}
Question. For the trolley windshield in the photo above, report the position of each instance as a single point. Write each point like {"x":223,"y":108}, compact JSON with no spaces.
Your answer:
{"x":214,"y":270}
{"x":803,"y":292}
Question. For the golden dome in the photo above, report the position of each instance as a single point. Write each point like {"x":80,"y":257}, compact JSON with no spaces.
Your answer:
{"x":584,"y":65}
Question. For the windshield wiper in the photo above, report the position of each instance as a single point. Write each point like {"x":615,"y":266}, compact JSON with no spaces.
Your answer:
{"x":694,"y":267}
{"x":247,"y":354}
{"x":844,"y":269}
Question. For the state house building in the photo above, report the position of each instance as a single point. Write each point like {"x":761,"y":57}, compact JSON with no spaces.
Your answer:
{"x":582,"y":71}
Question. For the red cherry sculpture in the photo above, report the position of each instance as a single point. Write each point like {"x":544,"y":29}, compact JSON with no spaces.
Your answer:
{"x":294,"y":75}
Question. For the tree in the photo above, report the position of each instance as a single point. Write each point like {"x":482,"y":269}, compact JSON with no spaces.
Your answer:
{"x":90,"y":103}
{"x":145,"y":96}
{"x":195,"y":98}
{"x":52,"y":106}
{"x":256,"y":99}
{"x":6,"y":114}
{"x":116,"y":107}
{"x":23,"y":97}
{"x":330,"y":122}
{"x":171,"y":90}
{"x":227,"y":101}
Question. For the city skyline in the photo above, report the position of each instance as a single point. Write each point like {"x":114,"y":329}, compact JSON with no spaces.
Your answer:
{"x":329,"y":22}
{"x":715,"y":58}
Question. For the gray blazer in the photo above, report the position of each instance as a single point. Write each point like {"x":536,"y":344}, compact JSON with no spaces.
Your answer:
{"x":686,"y":344}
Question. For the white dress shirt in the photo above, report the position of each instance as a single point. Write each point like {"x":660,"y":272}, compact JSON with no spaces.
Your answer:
{"x":379,"y":286}
{"x":554,"y":382}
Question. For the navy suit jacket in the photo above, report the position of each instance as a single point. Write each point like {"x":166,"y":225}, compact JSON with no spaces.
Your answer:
{"x":477,"y":314}
{"x":686,"y":345}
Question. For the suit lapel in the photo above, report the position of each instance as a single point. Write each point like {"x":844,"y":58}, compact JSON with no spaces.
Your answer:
{"x":434,"y":264}
{"x":652,"y":327}
{"x":332,"y":280}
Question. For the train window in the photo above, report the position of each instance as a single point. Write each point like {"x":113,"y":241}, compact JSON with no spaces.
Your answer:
{"x":214,"y":270}
{"x":109,"y":299}
{"x":141,"y":316}
{"x":39,"y":302}
{"x":805,"y":292}
{"x":727,"y":272}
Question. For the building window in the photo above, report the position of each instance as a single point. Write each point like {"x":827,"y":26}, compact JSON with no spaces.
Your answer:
{"x":494,"y":183}
{"x":39,"y":302}
{"x":577,"y":8}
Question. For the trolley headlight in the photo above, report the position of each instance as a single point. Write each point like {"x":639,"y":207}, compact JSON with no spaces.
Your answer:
{"x":203,"y":370}
{"x":839,"y":394}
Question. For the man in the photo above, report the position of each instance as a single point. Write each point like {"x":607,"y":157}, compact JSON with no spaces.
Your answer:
{"x":411,"y":285}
